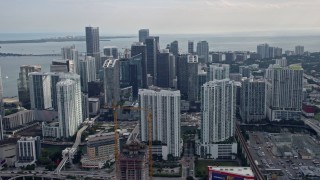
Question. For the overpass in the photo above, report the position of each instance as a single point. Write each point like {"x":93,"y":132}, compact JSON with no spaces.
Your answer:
{"x":62,"y":176}
{"x":75,"y":146}
{"x":24,"y":176}
{"x":313,"y":124}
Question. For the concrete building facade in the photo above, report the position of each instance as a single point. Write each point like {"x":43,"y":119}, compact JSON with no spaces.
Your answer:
{"x":165,"y":108}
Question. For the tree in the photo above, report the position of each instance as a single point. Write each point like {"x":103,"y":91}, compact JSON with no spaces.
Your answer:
{"x":43,"y":161}
{"x":30,"y":167}
{"x":56,"y":156}
{"x":50,"y":166}
{"x":44,"y":153}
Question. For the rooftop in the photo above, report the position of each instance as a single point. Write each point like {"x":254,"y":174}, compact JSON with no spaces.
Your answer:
{"x":240,"y":171}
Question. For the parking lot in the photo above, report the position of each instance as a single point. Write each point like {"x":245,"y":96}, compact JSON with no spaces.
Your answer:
{"x":263,"y":148}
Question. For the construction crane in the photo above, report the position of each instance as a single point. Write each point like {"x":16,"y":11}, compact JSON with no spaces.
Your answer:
{"x":116,"y":137}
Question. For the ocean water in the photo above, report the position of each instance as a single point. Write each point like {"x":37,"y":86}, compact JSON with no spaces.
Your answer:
{"x":10,"y":65}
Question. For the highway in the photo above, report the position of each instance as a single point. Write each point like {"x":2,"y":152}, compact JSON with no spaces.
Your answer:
{"x":253,"y":165}
{"x":62,"y":175}
{"x":75,"y":145}
{"x":314,"y":124}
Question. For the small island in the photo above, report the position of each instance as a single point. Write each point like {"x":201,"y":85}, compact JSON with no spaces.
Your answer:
{"x":61,"y":39}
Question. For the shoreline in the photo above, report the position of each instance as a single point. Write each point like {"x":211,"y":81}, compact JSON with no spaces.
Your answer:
{"x":62,"y":39}
{"x":14,"y":54}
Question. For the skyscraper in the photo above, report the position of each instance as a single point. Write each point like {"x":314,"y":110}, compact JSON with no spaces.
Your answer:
{"x":71,"y":53}
{"x":182,"y":74}
{"x":140,"y":48}
{"x":218,"y":72}
{"x":93,"y":45}
{"x":2,"y":113}
{"x":165,"y":69}
{"x":131,"y":73}
{"x":190,"y":47}
{"x":69,"y":107}
{"x":252,"y":100}
{"x":165,"y":108}
{"x":43,"y":91}
{"x":172,"y":71}
{"x":299,"y":50}
{"x":218,"y":107}
{"x":230,"y":57}
{"x":271,"y":52}
{"x":85,"y":105}
{"x":217,"y":57}
{"x":218,"y":110}
{"x":23,"y":83}
{"x":40,"y":90}
{"x":111,"y":51}
{"x":282,"y":62}
{"x":55,"y":78}
{"x":143,"y":34}
{"x":193,"y":90}
{"x":245,"y":71}
{"x":174,"y":48}
{"x":284,"y":87}
{"x":263,"y":51}
{"x":87,"y":72}
{"x":203,"y":51}
{"x":151,"y":52}
{"x":111,"y":82}
{"x":277,"y":52}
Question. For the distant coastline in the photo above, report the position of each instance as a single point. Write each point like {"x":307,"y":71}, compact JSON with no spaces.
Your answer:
{"x":15,"y":54}
{"x":62,"y":39}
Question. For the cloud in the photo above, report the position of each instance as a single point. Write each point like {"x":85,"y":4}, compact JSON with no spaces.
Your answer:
{"x":161,"y":16}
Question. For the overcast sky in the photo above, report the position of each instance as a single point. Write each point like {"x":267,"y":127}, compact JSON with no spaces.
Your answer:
{"x":160,"y":16}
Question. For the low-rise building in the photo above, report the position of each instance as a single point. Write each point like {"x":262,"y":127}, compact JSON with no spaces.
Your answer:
{"x":28,"y":151}
{"x":218,"y":151}
{"x":160,"y":150}
{"x":51,"y":129}
{"x":308,"y":110}
{"x":218,"y":172}
{"x":100,"y":149}
{"x":20,"y":118}
{"x":305,"y":155}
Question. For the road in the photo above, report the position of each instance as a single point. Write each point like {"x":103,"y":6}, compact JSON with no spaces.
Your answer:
{"x":75,"y":145}
{"x":187,"y":160}
{"x":263,"y":142}
{"x":314,"y":124}
{"x":62,"y":175}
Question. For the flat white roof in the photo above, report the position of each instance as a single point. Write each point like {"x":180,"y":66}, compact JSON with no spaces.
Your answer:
{"x":241,"y":171}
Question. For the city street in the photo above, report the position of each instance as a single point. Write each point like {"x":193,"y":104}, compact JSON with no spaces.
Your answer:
{"x":187,"y":160}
